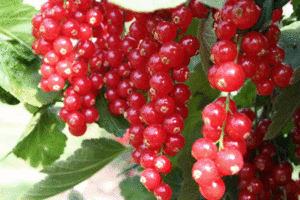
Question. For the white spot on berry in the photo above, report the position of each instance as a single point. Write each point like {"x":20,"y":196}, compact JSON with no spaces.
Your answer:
{"x":234,"y":169}
{"x":143,"y":179}
{"x":197,"y":174}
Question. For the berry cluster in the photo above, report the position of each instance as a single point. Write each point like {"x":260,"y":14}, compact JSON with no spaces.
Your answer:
{"x":263,"y":177}
{"x":228,"y":128}
{"x":142,"y":72}
{"x":249,"y":54}
{"x":295,"y":134}
{"x":260,"y":58}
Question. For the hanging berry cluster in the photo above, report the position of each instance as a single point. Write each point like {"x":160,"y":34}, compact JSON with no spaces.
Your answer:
{"x":142,"y":73}
{"x":264,"y":175}
{"x":248,"y":54}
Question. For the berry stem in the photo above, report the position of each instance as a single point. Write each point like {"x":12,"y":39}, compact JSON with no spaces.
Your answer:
{"x":220,"y":141}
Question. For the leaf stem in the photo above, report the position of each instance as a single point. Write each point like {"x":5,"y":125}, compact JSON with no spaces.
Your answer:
{"x":220,"y":141}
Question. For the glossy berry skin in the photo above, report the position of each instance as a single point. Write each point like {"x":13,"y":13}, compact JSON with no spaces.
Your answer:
{"x":214,"y":191}
{"x":229,"y":161}
{"x":91,"y":114}
{"x":214,"y":115}
{"x":165,"y":31}
{"x":198,"y":9}
{"x":55,"y":82}
{"x":136,"y":99}
{"x":82,"y":85}
{"x":239,"y":144}
{"x":223,"y":51}
{"x":76,"y":119}
{"x":94,"y":17}
{"x":204,"y":172}
{"x":163,"y":192}
{"x":229,"y":77}
{"x":281,"y":75}
{"x":72,"y":102}
{"x":173,"y":123}
{"x":62,"y":46}
{"x":204,"y":148}
{"x":154,"y":135}
{"x":262,"y":162}
{"x":248,"y":64}
{"x":255,"y":186}
{"x":161,"y":83}
{"x":149,"y":114}
{"x":265,"y":87}
{"x":132,"y":115}
{"x":165,"y":105}
{"x":245,"y":14}
{"x":147,"y":159}
{"x":246,"y":195}
{"x":49,"y":29}
{"x":171,"y":53}
{"x":238,"y":126}
{"x":190,"y":44}
{"x":248,"y":171}
{"x":180,"y":93}
{"x":181,"y":74}
{"x":211,"y":133}
{"x":173,"y":144}
{"x":162,"y":164}
{"x":150,"y":178}
{"x":78,"y":131}
{"x":226,"y":30}
{"x":182,"y":16}
{"x":281,"y":174}
{"x":254,"y":44}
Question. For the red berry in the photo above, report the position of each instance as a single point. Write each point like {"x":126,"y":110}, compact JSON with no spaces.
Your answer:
{"x":214,"y":115}
{"x":229,"y":161}
{"x":150,"y":178}
{"x":204,"y":148}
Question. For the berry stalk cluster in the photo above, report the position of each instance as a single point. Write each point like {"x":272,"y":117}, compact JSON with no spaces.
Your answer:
{"x":240,"y":53}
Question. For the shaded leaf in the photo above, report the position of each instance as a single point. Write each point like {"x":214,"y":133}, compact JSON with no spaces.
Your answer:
{"x":280,"y":3}
{"x":231,"y":187}
{"x":15,"y":21}
{"x":198,"y":82}
{"x":43,"y":141}
{"x":246,"y":95}
{"x":214,"y":3}
{"x":285,"y":105}
{"x":285,"y":149}
{"x":174,"y":179}
{"x":20,"y":77}
{"x":133,"y":189}
{"x":207,"y":38}
{"x":296,"y":7}
{"x":6,"y":97}
{"x":147,"y":6}
{"x":112,"y":124}
{"x":290,"y":42}
{"x":296,"y":75}
{"x":93,"y":155}
{"x":265,"y":15}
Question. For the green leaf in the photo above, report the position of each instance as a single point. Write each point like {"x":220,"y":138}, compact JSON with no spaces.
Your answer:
{"x":265,"y":15}
{"x":214,"y":3}
{"x":296,"y":75}
{"x":6,"y":97}
{"x":19,"y":74}
{"x":280,"y":3}
{"x":133,"y":189}
{"x":246,"y":95}
{"x":198,"y":82}
{"x":174,"y":179}
{"x":285,"y":106}
{"x":43,"y":141}
{"x":290,"y":42}
{"x":296,"y":8}
{"x":15,"y":21}
{"x":231,"y":187}
{"x":285,"y":149}
{"x":93,"y":155}
{"x":147,"y":6}
{"x":207,"y":38}
{"x":112,"y":124}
